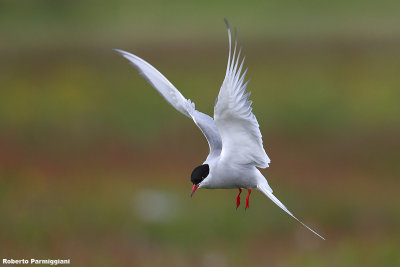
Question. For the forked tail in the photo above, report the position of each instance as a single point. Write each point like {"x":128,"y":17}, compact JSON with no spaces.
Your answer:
{"x":265,"y":189}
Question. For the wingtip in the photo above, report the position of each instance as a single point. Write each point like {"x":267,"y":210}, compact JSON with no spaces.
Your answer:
{"x":119,"y":51}
{"x":227,"y":24}
{"x":123,"y":53}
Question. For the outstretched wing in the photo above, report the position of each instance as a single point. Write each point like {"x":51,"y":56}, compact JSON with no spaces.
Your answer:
{"x":236,"y":123}
{"x":176,"y":99}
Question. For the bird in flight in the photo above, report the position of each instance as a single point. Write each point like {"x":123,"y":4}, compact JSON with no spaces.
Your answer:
{"x":233,"y":135}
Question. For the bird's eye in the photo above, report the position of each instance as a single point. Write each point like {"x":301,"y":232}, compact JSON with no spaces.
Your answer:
{"x":200,"y":173}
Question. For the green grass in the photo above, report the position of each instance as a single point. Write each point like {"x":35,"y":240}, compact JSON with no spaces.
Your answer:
{"x":91,"y":219}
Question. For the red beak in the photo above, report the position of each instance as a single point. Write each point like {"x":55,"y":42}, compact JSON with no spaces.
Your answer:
{"x":194,"y":189}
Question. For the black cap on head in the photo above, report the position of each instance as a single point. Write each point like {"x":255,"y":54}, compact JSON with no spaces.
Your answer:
{"x":199,"y":173}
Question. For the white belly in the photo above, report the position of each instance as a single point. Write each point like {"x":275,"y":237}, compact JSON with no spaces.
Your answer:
{"x":224,"y":176}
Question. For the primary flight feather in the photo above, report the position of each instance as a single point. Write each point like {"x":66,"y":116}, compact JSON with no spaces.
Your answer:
{"x":234,"y":137}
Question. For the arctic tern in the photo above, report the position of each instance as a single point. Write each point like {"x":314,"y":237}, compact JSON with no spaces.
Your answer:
{"x":233,"y":135}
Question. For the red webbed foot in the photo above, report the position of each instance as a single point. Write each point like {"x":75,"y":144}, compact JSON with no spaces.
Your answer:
{"x":247,"y":199}
{"x":238,"y":198}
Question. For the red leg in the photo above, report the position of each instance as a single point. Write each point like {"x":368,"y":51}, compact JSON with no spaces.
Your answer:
{"x":247,"y":199}
{"x":238,"y":198}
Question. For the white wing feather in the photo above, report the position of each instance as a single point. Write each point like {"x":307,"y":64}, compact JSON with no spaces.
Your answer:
{"x":178,"y":101}
{"x":236,"y":123}
{"x":158,"y":81}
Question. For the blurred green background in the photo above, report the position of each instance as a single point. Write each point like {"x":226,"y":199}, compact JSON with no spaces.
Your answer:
{"x":95,"y":165}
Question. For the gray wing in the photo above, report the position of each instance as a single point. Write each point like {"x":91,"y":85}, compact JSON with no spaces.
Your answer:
{"x":168,"y":91}
{"x":208,"y":128}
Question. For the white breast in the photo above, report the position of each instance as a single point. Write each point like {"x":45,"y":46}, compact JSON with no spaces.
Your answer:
{"x":225,"y":176}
